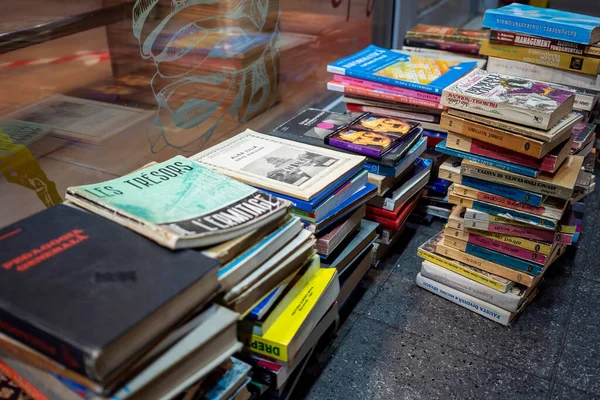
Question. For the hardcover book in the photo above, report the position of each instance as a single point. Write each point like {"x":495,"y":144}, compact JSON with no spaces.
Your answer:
{"x":545,"y":22}
{"x":372,"y":135}
{"x":518,"y":100}
{"x":537,"y":42}
{"x":409,"y":71}
{"x":312,"y":126}
{"x":548,"y":58}
{"x":167,"y":203}
{"x":446,"y":33}
{"x":279,"y":165}
{"x":62,"y":254}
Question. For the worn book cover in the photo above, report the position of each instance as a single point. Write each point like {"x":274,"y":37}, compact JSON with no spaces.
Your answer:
{"x":312,"y":126}
{"x":62,"y":254}
{"x":523,"y":101}
{"x":408,"y":71}
{"x":582,"y":133}
{"x":538,"y":42}
{"x":279,"y":165}
{"x":167,"y":202}
{"x":372,"y":135}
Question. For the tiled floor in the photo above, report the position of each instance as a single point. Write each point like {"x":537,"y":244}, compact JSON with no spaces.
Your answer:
{"x":401,"y":342}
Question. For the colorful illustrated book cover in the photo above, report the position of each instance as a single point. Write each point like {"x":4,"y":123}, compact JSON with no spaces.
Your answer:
{"x":312,"y":124}
{"x":372,"y":135}
{"x":409,"y":71}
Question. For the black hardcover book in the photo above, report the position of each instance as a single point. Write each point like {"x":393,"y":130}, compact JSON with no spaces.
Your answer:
{"x":90,"y":293}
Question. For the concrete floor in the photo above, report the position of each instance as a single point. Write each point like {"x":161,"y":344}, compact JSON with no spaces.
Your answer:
{"x":401,"y":342}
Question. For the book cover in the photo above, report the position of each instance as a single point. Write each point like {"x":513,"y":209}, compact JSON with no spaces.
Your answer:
{"x":230,"y":380}
{"x":329,"y":240}
{"x":568,"y":223}
{"x":549,"y":163}
{"x":510,"y":301}
{"x":366,"y":234}
{"x":559,"y":185}
{"x":483,"y":308}
{"x":427,"y":251}
{"x":582,"y":133}
{"x":406,"y":188}
{"x":507,"y":166}
{"x":545,"y":22}
{"x":365,"y":101}
{"x":548,"y":58}
{"x":312,"y":126}
{"x":523,"y":101}
{"x":298,"y":314}
{"x":436,"y":44}
{"x":416,"y":150}
{"x":557,"y":134}
{"x":268,"y":301}
{"x":409,"y":71}
{"x":458,"y":35}
{"x":63,"y":253}
{"x":435,"y":98}
{"x":547,"y":74}
{"x":279,"y":165}
{"x":166,"y":202}
{"x":372,"y":135}
{"x":511,"y":230}
{"x":378,"y":94}
{"x":405,"y":210}
{"x":421,"y":117}
{"x":537,"y":42}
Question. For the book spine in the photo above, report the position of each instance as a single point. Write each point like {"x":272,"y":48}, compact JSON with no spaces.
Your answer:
{"x":547,"y":58}
{"x":584,"y":102}
{"x":454,"y":47}
{"x":493,"y":256}
{"x":378,"y":211}
{"x":541,"y":73}
{"x":50,"y":345}
{"x":380,"y":169}
{"x":533,"y":42}
{"x":356,"y":148}
{"x":507,"y":301}
{"x":469,"y":302}
{"x":362,"y":83}
{"x":510,"y":230}
{"x":520,"y":182}
{"x":536,"y":26}
{"x":520,"y":144}
{"x":359,"y":108}
{"x":373,"y":94}
{"x":518,"y":169}
{"x":499,"y":200}
{"x":260,"y":345}
{"x":461,"y":270}
{"x":491,"y":244}
{"x":522,"y":196}
{"x":384,"y":222}
{"x":484,"y":149}
{"x":531,"y":245}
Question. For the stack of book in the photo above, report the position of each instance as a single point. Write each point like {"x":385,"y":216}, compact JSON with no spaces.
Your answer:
{"x":514,"y":183}
{"x":453,"y":40}
{"x":547,"y":45}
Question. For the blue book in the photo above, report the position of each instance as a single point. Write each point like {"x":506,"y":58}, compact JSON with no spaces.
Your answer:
{"x":382,"y":65}
{"x":265,"y":305}
{"x":544,"y":22}
{"x":403,"y":164}
{"x":517,"y":169}
{"x":503,"y":259}
{"x":515,"y":194}
{"x":514,"y":214}
{"x":311,"y":205}
{"x":440,"y":185}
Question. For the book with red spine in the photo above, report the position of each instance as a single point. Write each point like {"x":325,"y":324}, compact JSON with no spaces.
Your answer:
{"x":378,"y":94}
{"x":394,"y":223}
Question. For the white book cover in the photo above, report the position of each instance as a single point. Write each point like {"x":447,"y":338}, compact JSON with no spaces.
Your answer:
{"x":510,"y":301}
{"x":283,"y":166}
{"x":524,"y":101}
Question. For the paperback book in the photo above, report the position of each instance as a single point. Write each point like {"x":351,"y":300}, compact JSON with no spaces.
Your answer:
{"x":435,"y":98}
{"x":527,"y":102}
{"x":538,"y":42}
{"x":166,"y":202}
{"x":408,"y":71}
{"x":416,"y":150}
{"x":414,"y":116}
{"x":446,"y":33}
{"x":436,"y":44}
{"x":312,"y":126}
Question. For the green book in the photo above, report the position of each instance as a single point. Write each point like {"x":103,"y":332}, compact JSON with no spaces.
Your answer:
{"x":179,"y":204}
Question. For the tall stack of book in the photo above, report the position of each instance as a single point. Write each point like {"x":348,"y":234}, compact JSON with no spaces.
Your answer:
{"x":445,"y":38}
{"x":514,"y":184}
{"x":547,"y":45}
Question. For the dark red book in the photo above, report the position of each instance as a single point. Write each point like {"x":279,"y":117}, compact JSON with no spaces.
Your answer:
{"x":389,"y":221}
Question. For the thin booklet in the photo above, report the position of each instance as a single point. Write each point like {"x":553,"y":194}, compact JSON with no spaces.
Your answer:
{"x":179,"y":203}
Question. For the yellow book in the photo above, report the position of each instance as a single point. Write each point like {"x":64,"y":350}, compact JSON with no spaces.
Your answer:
{"x":548,"y":58}
{"x":287,"y":334}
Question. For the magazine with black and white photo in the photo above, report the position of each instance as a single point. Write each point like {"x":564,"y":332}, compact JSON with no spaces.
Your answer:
{"x":78,"y":119}
{"x":279,"y":165}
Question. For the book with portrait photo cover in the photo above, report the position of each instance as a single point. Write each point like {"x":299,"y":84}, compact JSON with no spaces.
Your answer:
{"x":372,"y":135}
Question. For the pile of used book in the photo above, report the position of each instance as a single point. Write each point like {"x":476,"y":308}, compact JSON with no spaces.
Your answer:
{"x":444,"y":40}
{"x":197,"y":277}
{"x":514,"y":186}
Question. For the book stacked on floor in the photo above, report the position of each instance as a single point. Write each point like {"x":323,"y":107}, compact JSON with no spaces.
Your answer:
{"x":547,"y":45}
{"x":514,"y":183}
{"x":455,"y":40}
{"x":328,"y":190}
{"x":396,"y":84}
